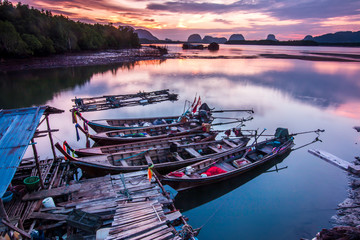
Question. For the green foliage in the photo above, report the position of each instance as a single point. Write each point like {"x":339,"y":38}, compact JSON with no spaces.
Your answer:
{"x":27,"y":31}
{"x":10,"y":40}
{"x":32,"y":42}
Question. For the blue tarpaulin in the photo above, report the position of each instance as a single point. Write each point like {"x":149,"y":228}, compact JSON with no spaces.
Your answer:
{"x":17,"y":128}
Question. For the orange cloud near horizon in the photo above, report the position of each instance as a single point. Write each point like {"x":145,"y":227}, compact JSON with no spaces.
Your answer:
{"x":177,"y":20}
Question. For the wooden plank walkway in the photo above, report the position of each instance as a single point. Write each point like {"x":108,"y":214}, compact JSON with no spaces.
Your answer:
{"x":129,"y":203}
{"x":345,"y":165}
{"x":139,"y":213}
{"x":132,"y":204}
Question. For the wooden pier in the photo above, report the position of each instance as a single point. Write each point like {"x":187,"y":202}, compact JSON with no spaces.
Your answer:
{"x":345,"y":165}
{"x":128,"y":204}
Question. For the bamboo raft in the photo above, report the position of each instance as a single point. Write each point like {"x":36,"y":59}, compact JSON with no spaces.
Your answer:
{"x":124,"y":100}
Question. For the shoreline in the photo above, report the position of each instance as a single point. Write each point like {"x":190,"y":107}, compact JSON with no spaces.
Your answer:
{"x":80,"y":59}
{"x":145,"y":53}
{"x":348,"y":211}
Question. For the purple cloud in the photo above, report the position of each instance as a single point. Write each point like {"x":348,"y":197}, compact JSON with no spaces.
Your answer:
{"x":315,"y":9}
{"x":283,"y":9}
{"x":222,"y":21}
{"x":202,"y":7}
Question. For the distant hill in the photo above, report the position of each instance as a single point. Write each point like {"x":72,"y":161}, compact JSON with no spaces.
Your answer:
{"x":271,"y":37}
{"x":308,"y":38}
{"x":144,"y":34}
{"x":236,"y":37}
{"x":194,"y":38}
{"x":339,"y":37}
{"x":210,"y":39}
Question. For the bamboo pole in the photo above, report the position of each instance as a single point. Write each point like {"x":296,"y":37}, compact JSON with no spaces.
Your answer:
{"x":37,"y":163}
{"x":50,"y":137}
{"x":3,"y":213}
{"x":22,"y":232}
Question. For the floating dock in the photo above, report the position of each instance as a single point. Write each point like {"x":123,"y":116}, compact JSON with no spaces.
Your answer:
{"x":125,"y":100}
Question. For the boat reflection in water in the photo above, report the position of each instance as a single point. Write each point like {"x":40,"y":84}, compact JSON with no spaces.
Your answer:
{"x":193,"y":198}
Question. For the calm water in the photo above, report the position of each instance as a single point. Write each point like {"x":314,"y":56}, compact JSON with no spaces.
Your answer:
{"x":297,"y":201}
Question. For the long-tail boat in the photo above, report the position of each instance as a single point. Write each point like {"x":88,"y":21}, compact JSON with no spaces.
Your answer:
{"x":104,"y":125}
{"x":229,"y":164}
{"x":163,"y":159}
{"x":124,"y":100}
{"x":145,"y":133}
{"x":136,"y":146}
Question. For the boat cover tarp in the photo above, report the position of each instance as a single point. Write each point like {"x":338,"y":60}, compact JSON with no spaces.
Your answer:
{"x":214,"y":170}
{"x":17,"y":128}
{"x":282,"y":133}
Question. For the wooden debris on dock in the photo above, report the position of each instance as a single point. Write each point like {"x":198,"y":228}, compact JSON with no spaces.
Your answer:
{"x":132,"y":218}
{"x":345,"y":165}
{"x":128,"y":204}
{"x":125,"y":100}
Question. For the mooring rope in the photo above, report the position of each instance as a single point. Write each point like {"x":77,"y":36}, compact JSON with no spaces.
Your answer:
{"x":135,"y":155}
{"x":125,"y":191}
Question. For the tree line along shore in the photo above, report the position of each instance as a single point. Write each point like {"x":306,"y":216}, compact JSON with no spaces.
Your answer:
{"x":27,"y":32}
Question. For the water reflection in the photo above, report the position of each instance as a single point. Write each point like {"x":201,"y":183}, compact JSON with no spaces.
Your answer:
{"x":332,"y":88}
{"x":296,"y":94}
{"x":321,"y":84}
{"x":36,"y":87}
{"x":192,"y":198}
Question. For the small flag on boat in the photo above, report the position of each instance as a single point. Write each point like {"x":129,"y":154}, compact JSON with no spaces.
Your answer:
{"x":64,"y":147}
{"x":193,"y":104}
{"x":197,"y":105}
{"x":150,"y":173}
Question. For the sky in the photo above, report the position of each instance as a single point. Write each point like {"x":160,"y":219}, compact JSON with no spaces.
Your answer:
{"x":177,"y":19}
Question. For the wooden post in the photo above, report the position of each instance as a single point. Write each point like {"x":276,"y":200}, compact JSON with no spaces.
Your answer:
{"x":50,"y":137}
{"x":3,"y":211}
{"x":37,"y":163}
{"x":22,"y":232}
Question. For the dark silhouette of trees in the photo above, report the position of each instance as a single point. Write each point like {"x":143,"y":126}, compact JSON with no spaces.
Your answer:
{"x":26,"y":31}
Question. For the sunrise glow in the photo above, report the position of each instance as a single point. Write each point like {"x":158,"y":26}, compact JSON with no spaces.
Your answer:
{"x":178,"y":19}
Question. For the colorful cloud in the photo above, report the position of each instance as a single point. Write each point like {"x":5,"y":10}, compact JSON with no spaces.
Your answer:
{"x":177,"y":19}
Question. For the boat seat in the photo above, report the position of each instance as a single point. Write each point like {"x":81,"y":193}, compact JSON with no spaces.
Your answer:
{"x":266,"y":149}
{"x":124,"y":163}
{"x":215,"y":149}
{"x":148,"y":159}
{"x":253,"y":157}
{"x":193,"y":152}
{"x":175,"y":142}
{"x":225,"y":166}
{"x":231,"y":144}
{"x":177,"y":157}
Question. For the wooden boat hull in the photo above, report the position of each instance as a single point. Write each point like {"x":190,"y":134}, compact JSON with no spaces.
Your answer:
{"x":94,"y":166}
{"x":120,"y":124}
{"x":137,"y":146}
{"x":181,"y":184}
{"x":218,"y":189}
{"x":109,"y":138}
